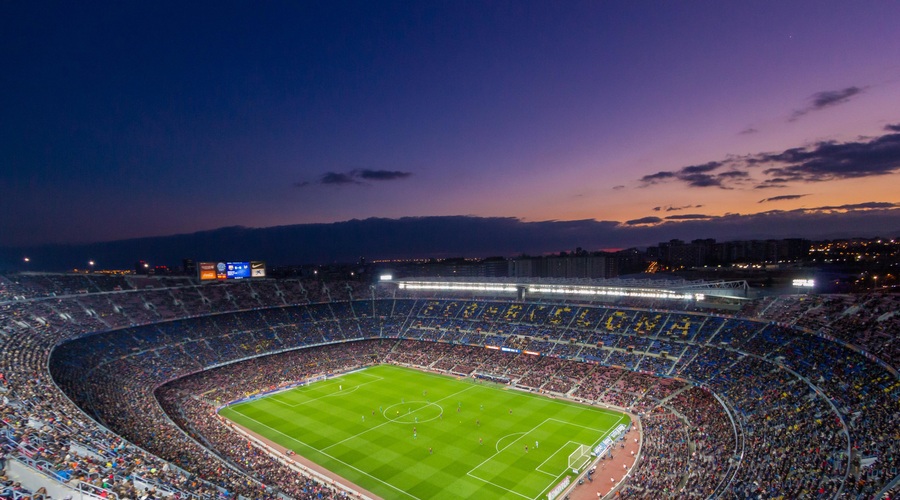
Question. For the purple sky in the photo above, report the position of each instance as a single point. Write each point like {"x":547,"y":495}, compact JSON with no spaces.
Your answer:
{"x":150,"y":118}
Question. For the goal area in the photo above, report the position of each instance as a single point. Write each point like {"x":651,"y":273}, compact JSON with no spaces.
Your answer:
{"x":580,"y":457}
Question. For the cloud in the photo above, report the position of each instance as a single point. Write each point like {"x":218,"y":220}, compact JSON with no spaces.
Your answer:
{"x":702,"y":180}
{"x":643,"y":220}
{"x":869,"y":205}
{"x":826,"y":99}
{"x":697,"y":169}
{"x":734,"y":174}
{"x":358,"y":177}
{"x":817,"y":162}
{"x":618,"y":187}
{"x":692,"y":175}
{"x":381,"y":175}
{"x":659,"y":176}
{"x":828,"y":161}
{"x":892,"y":128}
{"x":832,"y":97}
{"x":782,"y":198}
{"x":775,"y":182}
{"x":689,"y":217}
{"x":748,"y":131}
{"x":697,"y":175}
{"x":670,"y":208}
{"x":338,"y":178}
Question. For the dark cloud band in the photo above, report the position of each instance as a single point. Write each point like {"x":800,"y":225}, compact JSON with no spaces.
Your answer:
{"x":782,"y":198}
{"x":356,"y":177}
{"x":819,"y":162}
{"x":826,"y":99}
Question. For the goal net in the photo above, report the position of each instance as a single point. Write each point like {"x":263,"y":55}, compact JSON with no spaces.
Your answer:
{"x":580,"y":457}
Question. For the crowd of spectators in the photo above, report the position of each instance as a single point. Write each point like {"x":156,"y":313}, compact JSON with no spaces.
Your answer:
{"x":42,"y":428}
{"x":712,"y":441}
{"x":800,"y":415}
{"x":869,"y":321}
{"x":664,"y":458}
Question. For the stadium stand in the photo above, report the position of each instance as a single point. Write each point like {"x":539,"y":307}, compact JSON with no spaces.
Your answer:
{"x":110,"y":384}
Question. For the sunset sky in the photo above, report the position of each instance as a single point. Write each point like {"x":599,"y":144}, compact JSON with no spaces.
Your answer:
{"x":152,"y":118}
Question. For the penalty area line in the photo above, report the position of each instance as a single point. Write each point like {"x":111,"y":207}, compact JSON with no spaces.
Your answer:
{"x":538,"y":468}
{"x":497,"y":485}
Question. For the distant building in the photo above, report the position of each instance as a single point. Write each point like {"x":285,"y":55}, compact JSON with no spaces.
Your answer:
{"x":677,"y":254}
{"x":579,"y":264}
{"x":492,"y":267}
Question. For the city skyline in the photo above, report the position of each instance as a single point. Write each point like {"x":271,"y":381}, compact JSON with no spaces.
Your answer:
{"x":636,"y":119}
{"x":414,"y":238}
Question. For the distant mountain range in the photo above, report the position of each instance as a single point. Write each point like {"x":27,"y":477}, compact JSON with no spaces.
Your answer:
{"x":446,"y":236}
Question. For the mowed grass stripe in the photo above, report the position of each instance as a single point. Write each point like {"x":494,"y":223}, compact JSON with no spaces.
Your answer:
{"x":322,"y":389}
{"x":360,"y":425}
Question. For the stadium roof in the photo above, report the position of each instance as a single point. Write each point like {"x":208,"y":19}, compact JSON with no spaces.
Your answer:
{"x":586,"y":288}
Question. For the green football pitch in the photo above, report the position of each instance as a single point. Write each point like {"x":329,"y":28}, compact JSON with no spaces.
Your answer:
{"x":402,"y":433}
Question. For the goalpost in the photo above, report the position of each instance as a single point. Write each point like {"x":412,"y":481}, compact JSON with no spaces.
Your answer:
{"x":580,"y":457}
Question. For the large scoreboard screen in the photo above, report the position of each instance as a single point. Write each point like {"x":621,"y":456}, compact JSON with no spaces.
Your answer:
{"x":237,"y":270}
{"x":231,"y":270}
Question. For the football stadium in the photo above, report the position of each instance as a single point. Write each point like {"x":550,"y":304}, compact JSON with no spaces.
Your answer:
{"x":171,"y":387}
{"x":450,"y":250}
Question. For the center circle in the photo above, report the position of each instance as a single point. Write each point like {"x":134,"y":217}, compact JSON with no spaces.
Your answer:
{"x":413,"y":412}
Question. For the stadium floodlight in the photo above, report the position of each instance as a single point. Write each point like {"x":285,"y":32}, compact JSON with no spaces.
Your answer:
{"x":804,"y":283}
{"x":386,"y":277}
{"x":455,"y":286}
{"x":609,"y":291}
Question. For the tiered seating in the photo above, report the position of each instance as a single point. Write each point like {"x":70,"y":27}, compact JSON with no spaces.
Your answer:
{"x":782,"y":387}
